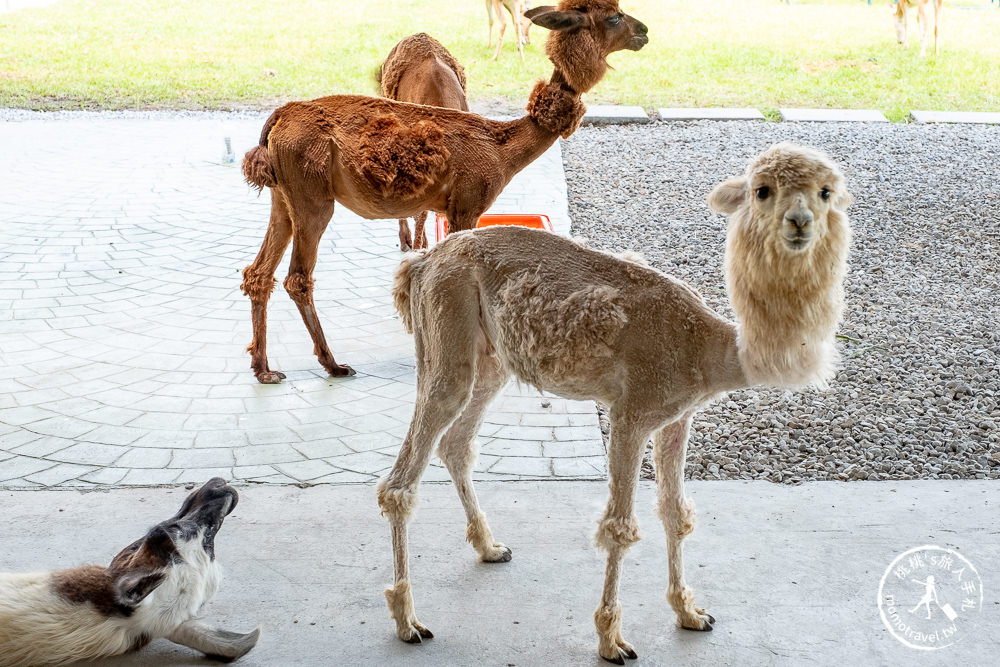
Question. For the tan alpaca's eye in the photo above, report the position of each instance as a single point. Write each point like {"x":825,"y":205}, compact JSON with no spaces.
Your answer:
{"x":763,"y":192}
{"x":824,"y":194}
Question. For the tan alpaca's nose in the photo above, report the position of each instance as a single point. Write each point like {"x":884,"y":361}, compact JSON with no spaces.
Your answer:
{"x":800,"y":218}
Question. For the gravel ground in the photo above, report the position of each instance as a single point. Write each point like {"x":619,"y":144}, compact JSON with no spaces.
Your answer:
{"x":918,"y":393}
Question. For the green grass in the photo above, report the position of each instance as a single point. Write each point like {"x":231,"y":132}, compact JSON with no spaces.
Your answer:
{"x":221,"y":54}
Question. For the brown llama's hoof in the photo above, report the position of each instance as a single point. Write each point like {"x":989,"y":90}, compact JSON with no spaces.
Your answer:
{"x":340,"y":370}
{"x":270,"y":377}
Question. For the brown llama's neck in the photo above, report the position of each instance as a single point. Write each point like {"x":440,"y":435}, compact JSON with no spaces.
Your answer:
{"x":787,"y":305}
{"x":554,"y":110}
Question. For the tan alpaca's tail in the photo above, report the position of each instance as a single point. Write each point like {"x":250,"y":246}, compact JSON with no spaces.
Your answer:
{"x":257,"y":168}
{"x":403,"y":284}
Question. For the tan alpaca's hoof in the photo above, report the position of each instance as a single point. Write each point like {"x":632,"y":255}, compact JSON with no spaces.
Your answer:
{"x":414,"y":633}
{"x":621,"y":650}
{"x":270,"y":377}
{"x":701,"y":622}
{"x":498,"y":554}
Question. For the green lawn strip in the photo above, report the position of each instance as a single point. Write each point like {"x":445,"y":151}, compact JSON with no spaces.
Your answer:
{"x":113,"y":54}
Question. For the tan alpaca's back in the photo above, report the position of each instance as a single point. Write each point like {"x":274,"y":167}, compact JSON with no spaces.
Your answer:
{"x":558,"y":314}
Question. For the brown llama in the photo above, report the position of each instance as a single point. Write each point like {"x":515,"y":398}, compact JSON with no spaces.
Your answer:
{"x":387,"y":159}
{"x":420,"y":70}
{"x":496,"y":302}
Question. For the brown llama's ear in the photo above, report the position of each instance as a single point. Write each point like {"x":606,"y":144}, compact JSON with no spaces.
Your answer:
{"x":549,"y":17}
{"x":728,"y":195}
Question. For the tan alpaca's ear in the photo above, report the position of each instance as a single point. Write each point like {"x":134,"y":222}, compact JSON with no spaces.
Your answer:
{"x":842,"y":199}
{"x":549,"y":17}
{"x":728,"y":195}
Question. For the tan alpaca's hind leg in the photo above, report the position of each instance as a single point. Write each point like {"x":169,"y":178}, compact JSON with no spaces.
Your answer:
{"x":307,"y":228}
{"x":618,"y":530}
{"x":458,"y":451}
{"x":258,"y":283}
{"x":677,"y":513}
{"x":446,"y":373}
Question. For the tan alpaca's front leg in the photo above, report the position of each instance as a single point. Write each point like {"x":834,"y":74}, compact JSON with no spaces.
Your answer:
{"x":458,"y":452}
{"x":258,"y":283}
{"x":617,"y":531}
{"x":677,"y":513}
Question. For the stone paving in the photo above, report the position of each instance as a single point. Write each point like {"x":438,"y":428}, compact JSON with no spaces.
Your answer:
{"x":123,"y":330}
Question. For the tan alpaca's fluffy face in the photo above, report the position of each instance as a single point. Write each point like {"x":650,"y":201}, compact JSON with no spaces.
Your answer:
{"x":791,"y":192}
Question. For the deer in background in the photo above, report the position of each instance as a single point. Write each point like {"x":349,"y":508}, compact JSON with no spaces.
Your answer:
{"x":899,"y":12}
{"x":516,"y":9}
{"x":421,"y":71}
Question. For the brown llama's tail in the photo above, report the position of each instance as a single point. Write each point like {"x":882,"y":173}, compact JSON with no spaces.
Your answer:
{"x":403,"y":284}
{"x":257,"y":168}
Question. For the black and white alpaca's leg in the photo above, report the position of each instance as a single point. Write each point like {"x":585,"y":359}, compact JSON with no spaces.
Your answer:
{"x":677,"y":513}
{"x":446,"y":373}
{"x":458,"y":452}
{"x":618,"y":530}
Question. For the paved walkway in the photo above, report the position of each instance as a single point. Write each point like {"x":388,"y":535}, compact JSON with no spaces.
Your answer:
{"x":791,"y":572}
{"x":123,"y":330}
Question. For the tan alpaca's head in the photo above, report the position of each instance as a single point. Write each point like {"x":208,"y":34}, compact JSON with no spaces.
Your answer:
{"x":584,"y":33}
{"x":786,"y":255}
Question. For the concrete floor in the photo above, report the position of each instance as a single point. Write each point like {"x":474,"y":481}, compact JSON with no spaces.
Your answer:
{"x":791,"y":573}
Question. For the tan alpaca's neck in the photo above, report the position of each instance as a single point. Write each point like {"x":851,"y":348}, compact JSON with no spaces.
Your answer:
{"x":787,"y":307}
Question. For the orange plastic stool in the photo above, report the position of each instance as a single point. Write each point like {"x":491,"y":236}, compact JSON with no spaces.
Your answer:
{"x":532,"y":220}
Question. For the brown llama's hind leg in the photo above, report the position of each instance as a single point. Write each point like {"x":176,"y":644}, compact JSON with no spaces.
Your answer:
{"x":258,"y":283}
{"x":308,"y":228}
{"x":458,"y":452}
{"x":419,"y":237}
{"x":405,"y":242}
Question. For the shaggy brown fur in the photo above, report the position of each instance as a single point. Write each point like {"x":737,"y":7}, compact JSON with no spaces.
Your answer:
{"x":382,"y":158}
{"x":421,"y":71}
{"x":501,"y":302}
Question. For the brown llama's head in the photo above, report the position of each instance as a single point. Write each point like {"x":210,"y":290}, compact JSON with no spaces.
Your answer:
{"x":584,"y":33}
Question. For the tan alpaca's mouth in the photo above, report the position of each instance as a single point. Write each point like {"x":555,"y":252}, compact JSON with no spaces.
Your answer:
{"x":798,"y":242}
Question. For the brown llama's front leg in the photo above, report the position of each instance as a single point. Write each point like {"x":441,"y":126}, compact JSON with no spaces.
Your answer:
{"x":405,"y":242}
{"x":299,"y":285}
{"x":677,"y":513}
{"x":618,"y":530}
{"x":419,"y":237}
{"x":258,"y":283}
{"x":458,"y":452}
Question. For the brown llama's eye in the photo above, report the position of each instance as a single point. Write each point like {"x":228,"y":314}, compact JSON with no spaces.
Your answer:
{"x":763,"y":192}
{"x":615,"y":20}
{"x":824,"y":194}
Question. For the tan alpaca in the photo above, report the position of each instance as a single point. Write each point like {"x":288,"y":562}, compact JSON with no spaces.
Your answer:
{"x":497,"y":302}
{"x":420,"y":70}
{"x":386,"y":159}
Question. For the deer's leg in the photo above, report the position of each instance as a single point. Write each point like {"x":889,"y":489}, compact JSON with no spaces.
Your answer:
{"x":924,"y":26}
{"x":618,"y":530}
{"x":419,"y":237}
{"x":899,"y":16}
{"x":458,"y":452}
{"x":937,"y":22}
{"x":517,"y":9}
{"x":308,"y":228}
{"x":258,"y":283}
{"x":489,"y":14}
{"x":503,"y":28}
{"x":405,"y":242}
{"x":677,"y":513}
{"x":446,"y":373}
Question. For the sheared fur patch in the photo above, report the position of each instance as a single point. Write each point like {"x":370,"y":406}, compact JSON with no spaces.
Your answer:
{"x":555,"y":109}
{"x":401,"y":161}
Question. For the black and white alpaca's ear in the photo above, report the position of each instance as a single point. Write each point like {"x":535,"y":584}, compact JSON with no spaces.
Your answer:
{"x":728,"y":195}
{"x":133,"y":587}
{"x":549,"y":17}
